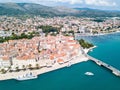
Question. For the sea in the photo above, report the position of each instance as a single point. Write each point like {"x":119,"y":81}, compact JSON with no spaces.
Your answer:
{"x":73,"y":77}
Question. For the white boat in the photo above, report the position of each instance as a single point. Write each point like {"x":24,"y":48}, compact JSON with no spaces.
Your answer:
{"x":69,"y":64}
{"x":26,"y":77}
{"x":89,"y":73}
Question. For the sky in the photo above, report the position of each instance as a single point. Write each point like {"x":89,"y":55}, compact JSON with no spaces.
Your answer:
{"x":96,"y":4}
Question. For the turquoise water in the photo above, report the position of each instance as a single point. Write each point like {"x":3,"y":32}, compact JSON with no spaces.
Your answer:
{"x":73,"y":78}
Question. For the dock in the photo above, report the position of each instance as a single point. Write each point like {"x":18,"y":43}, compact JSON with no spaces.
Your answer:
{"x":114,"y":70}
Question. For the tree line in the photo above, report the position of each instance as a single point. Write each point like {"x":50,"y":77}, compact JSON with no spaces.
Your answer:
{"x":17,"y":37}
{"x":85,"y":44}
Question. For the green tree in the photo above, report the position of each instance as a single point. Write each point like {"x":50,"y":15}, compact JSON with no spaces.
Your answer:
{"x":85,"y":44}
{"x":37,"y":66}
{"x":30,"y":66}
{"x":3,"y":71}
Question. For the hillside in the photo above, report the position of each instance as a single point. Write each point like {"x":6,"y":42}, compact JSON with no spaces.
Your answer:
{"x":88,"y":12}
{"x":12,"y":9}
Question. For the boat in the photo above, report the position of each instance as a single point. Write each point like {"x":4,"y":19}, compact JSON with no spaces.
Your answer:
{"x":69,"y":64}
{"x":89,"y":73}
{"x":26,"y":77}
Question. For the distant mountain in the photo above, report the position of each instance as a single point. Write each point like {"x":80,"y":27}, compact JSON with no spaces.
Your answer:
{"x":88,"y":12}
{"x":84,"y":9}
{"x":26,"y":8}
{"x":33,"y":9}
{"x":66,"y":10}
{"x":37,"y":9}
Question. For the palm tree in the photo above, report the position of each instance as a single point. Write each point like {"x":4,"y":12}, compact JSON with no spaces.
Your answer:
{"x":37,"y":66}
{"x":30,"y":66}
{"x":3,"y":71}
{"x":17,"y":68}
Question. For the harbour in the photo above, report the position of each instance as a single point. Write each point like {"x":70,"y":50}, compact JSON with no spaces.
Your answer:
{"x":74,"y":77}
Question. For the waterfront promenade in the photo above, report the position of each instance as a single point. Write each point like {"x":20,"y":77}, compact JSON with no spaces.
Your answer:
{"x":13,"y":75}
{"x":79,"y":58}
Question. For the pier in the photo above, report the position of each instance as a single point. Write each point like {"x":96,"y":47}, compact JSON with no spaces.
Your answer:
{"x":101,"y":63}
{"x":114,"y":70}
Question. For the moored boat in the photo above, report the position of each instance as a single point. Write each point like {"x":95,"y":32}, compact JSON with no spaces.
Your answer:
{"x":26,"y":77}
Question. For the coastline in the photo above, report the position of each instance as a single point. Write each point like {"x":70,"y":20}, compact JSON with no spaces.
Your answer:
{"x":75,"y":60}
{"x":99,"y":34}
{"x":90,"y":49}
{"x":12,"y":75}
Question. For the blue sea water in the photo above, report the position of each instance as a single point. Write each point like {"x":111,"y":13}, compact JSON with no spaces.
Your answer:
{"x":73,"y":78}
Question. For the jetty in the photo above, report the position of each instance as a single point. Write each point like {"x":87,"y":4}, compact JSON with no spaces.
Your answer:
{"x":114,"y":70}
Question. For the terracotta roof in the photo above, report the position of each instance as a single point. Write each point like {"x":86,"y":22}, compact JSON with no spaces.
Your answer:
{"x":5,"y":58}
{"x":60,"y":61}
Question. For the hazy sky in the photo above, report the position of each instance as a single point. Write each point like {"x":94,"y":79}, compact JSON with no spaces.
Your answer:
{"x":98,"y":4}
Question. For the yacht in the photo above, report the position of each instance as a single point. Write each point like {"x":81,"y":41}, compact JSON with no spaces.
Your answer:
{"x":26,"y":77}
{"x":89,"y":73}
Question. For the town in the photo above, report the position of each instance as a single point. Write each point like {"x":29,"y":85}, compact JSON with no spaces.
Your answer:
{"x":39,"y":50}
{"x":67,"y":25}
{"x":38,"y":55}
{"x":46,"y":44}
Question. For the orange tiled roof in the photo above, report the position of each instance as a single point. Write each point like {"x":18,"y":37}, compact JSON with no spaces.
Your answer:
{"x":60,"y":60}
{"x":5,"y":58}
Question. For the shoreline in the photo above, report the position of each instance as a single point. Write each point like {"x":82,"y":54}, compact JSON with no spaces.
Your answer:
{"x":75,"y":60}
{"x":89,"y":49}
{"x":100,"y":34}
{"x":12,"y":75}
